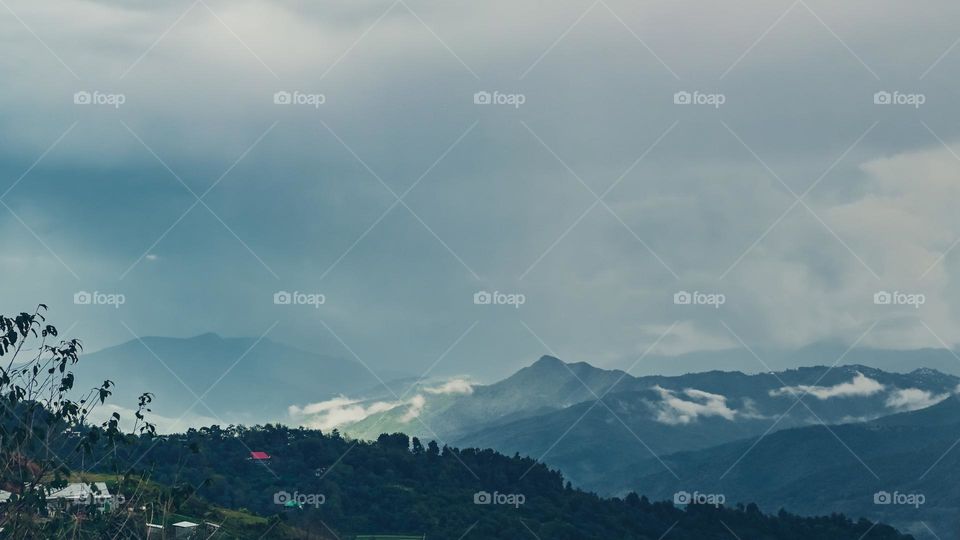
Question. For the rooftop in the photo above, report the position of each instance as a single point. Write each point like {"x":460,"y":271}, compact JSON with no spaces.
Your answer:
{"x":80,"y":491}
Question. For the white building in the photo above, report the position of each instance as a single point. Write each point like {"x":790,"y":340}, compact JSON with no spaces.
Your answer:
{"x":80,"y":494}
{"x":184,"y":529}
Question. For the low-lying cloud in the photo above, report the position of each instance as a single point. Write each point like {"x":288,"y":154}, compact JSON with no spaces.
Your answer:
{"x":337,"y":412}
{"x":453,"y":386}
{"x":860,"y":386}
{"x":912,"y":399}
{"x":343,"y":411}
{"x":675,"y":410}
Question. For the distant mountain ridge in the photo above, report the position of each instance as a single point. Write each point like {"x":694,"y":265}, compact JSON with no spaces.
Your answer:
{"x":240,"y":379}
{"x":739,"y":359}
{"x":549,"y":410}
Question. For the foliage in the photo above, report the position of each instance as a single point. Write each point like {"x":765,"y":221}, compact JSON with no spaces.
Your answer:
{"x":400,"y":486}
{"x":43,"y":426}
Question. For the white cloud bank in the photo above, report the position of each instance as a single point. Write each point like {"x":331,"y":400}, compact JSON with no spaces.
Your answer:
{"x":453,"y":386}
{"x":860,"y":386}
{"x":674,"y":410}
{"x":338,"y":411}
{"x":342,"y":411}
{"x":912,"y":399}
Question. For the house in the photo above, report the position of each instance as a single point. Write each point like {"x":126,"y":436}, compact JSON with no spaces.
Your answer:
{"x":211,"y":529}
{"x":80,"y":494}
{"x":154,"y":530}
{"x":259,"y":456}
{"x":184,"y":529}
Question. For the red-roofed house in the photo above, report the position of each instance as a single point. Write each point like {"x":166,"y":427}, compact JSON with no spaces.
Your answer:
{"x":259,"y":456}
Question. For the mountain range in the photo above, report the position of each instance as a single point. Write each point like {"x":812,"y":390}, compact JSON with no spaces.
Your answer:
{"x":811,"y":439}
{"x":562,"y":412}
{"x":783,"y":439}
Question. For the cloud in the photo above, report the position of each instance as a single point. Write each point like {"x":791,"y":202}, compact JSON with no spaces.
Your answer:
{"x":338,"y":411}
{"x":912,"y":399}
{"x":751,"y":411}
{"x":675,"y":410}
{"x":453,"y":386}
{"x":415,"y":407}
{"x":342,"y":411}
{"x":860,"y":385}
{"x":687,"y":336}
{"x":199,"y":99}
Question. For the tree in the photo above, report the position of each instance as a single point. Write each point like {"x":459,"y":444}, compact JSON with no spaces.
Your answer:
{"x":44,"y":426}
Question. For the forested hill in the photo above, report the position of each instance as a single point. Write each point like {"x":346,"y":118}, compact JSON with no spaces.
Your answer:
{"x":398,"y":486}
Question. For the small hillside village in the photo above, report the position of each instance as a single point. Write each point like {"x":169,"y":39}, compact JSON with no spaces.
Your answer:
{"x":74,"y":495}
{"x":79,"y":497}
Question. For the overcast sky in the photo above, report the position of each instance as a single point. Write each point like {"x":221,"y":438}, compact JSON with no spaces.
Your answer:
{"x":787,"y":189}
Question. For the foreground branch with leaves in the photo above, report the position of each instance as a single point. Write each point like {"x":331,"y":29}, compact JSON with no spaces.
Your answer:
{"x":45,"y":427}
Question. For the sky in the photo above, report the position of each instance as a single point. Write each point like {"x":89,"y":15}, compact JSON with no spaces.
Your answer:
{"x":586,"y":160}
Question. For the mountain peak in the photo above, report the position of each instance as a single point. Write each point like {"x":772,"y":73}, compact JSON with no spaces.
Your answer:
{"x":548,"y":361}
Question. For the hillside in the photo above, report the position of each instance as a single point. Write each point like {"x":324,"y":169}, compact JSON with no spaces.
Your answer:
{"x":814,"y":469}
{"x":398,"y":486}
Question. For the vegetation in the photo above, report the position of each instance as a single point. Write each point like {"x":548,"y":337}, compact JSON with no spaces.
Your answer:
{"x":399,"y":486}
